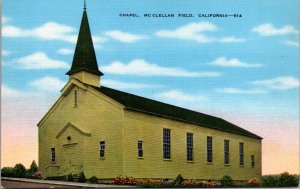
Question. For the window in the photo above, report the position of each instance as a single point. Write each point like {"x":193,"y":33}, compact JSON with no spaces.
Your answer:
{"x":140,"y":148}
{"x":102,"y":148}
{"x":52,"y":154}
{"x":75,"y":97}
{"x":189,"y":146}
{"x":209,"y":149}
{"x":226,"y":151}
{"x":241,"y":153}
{"x":252,"y":161}
{"x":167,"y":144}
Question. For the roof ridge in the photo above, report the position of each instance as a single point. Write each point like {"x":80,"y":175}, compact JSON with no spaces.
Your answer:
{"x":143,"y":104}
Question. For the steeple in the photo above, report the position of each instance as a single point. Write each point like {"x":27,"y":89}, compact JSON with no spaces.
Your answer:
{"x":84,"y":63}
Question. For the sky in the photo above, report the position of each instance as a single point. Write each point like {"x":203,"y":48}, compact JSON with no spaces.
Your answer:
{"x":243,"y":68}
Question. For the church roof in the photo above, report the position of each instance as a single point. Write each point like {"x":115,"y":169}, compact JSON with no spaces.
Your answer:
{"x":84,"y":57}
{"x":137,"y":103}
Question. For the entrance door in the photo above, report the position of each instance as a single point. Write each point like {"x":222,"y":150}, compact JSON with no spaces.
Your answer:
{"x":70,"y":162}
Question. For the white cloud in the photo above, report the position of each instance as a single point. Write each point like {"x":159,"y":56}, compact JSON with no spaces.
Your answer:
{"x":125,"y":37}
{"x":191,"y":31}
{"x":9,"y":92}
{"x":224,"y":62}
{"x":65,"y":51}
{"x":39,"y":60}
{"x":269,"y":30}
{"x":142,"y":68}
{"x":177,"y":95}
{"x":126,"y":85}
{"x":12,"y":31}
{"x":5,"y":53}
{"x":48,"y":31}
{"x":194,"y":32}
{"x":53,"y":30}
{"x":230,"y":90}
{"x":48,"y":83}
{"x":279,"y":83}
{"x":98,"y":39}
{"x":292,"y":43}
{"x":232,"y":40}
{"x":4,"y":19}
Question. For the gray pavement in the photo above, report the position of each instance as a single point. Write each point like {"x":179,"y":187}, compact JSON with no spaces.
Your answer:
{"x":88,"y":185}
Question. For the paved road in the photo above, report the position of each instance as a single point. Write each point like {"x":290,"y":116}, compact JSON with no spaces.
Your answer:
{"x":18,"y":184}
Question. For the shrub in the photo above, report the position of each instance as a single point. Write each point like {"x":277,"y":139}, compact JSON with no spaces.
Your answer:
{"x":70,"y":178}
{"x":81,"y":177}
{"x":285,"y":179}
{"x":270,"y":181}
{"x":7,"y":172}
{"x":226,"y":181}
{"x":93,"y":179}
{"x":254,"y":182}
{"x":282,"y":180}
{"x":19,"y":171}
{"x":179,"y":179}
{"x":28,"y":174}
{"x":33,"y":167}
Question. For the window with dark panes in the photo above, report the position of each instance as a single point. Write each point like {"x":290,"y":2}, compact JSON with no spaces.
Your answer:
{"x":52,"y":154}
{"x":226,"y":151}
{"x":241,"y":150}
{"x":189,"y":146}
{"x":209,"y":149}
{"x":166,"y":143}
{"x":102,"y":148}
{"x":140,"y":149}
{"x":252,"y":161}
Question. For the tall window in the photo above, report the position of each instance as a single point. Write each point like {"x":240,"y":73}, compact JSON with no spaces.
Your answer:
{"x":252,"y":161}
{"x":241,"y":153}
{"x":189,"y":146}
{"x":140,"y":148}
{"x":167,"y":144}
{"x":75,"y":97}
{"x":226,"y":151}
{"x":102,"y":148}
{"x":209,"y":149}
{"x":52,"y":154}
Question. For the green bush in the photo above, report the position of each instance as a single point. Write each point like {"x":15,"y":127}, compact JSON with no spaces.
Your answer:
{"x":285,"y":179}
{"x":93,"y":179}
{"x":19,"y":171}
{"x":28,"y":174}
{"x":179,"y":179}
{"x":7,"y":172}
{"x":226,"y":181}
{"x":33,"y":167}
{"x":270,"y":180}
{"x":81,"y":177}
{"x":282,"y":180}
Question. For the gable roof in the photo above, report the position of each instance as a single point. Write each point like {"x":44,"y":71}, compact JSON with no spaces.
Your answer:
{"x":137,"y":103}
{"x":84,"y":57}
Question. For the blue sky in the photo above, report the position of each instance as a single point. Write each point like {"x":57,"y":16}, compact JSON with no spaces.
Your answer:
{"x":229,"y":67}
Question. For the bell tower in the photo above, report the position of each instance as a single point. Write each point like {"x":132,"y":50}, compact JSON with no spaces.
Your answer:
{"x":84,"y":66}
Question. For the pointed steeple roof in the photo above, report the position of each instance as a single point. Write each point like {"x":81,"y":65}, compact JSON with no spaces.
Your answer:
{"x":84,"y":57}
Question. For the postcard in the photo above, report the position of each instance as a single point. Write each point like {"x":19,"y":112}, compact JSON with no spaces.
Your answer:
{"x":181,"y":93}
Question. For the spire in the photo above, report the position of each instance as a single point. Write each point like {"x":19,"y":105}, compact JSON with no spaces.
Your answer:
{"x":84,"y":57}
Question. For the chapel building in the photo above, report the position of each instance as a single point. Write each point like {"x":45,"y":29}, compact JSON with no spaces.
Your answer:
{"x":109,"y":133}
